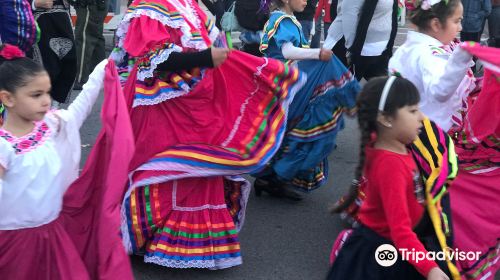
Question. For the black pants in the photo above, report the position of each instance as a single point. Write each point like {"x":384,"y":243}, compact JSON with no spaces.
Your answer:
{"x":370,"y":66}
{"x":340,"y":51}
{"x":470,"y":36}
{"x":252,"y":49}
{"x":56,"y":50}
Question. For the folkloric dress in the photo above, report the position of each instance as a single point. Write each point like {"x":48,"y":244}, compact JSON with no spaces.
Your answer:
{"x":317,"y":112}
{"x":195,"y":132}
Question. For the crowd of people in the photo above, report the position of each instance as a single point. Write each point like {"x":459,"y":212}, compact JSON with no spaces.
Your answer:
{"x":184,"y":117}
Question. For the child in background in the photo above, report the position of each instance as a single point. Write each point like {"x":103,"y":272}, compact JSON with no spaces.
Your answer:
{"x":316,"y":114}
{"x":393,"y":210}
{"x":39,"y":159}
{"x":440,"y":68}
{"x":434,"y":63}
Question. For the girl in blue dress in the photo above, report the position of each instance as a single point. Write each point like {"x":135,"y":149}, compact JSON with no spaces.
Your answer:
{"x":316,"y":113}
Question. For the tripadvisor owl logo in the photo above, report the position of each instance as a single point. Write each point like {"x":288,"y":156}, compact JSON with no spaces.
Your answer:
{"x":386,"y":255}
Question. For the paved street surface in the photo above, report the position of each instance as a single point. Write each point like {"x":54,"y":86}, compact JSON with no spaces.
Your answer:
{"x":280,"y":239}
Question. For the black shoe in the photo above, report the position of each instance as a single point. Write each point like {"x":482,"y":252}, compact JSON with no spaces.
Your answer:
{"x":78,"y":86}
{"x":276,"y":188}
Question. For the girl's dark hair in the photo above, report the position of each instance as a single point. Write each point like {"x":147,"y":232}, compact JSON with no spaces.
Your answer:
{"x":15,"y":73}
{"x":276,"y":4}
{"x":442,"y":11}
{"x":402,"y":93}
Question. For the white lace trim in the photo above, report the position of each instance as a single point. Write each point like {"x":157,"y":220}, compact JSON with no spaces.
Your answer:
{"x":186,"y":172}
{"x":212,"y":264}
{"x":243,"y":107}
{"x":165,"y":54}
{"x":186,"y":38}
{"x":162,"y":97}
{"x":127,"y":244}
{"x":188,"y":11}
{"x":118,"y":55}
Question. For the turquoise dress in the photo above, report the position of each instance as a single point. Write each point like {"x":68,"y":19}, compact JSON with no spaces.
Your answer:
{"x":316,"y":114}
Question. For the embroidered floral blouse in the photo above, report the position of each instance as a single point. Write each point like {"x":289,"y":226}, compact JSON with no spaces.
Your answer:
{"x":41,"y":165}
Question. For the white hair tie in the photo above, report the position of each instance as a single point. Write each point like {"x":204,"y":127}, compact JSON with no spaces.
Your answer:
{"x":385,"y":93}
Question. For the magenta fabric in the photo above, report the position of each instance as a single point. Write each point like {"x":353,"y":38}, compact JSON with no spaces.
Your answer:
{"x":476,"y":213}
{"x":475,"y":201}
{"x":339,"y":242}
{"x":483,"y":117}
{"x":41,"y":253}
{"x":91,"y":211}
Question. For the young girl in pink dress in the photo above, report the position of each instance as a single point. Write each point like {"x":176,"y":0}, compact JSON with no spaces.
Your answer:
{"x":39,"y":160}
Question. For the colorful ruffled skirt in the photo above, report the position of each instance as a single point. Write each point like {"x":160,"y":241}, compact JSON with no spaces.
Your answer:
{"x":315,"y":117}
{"x":186,"y":201}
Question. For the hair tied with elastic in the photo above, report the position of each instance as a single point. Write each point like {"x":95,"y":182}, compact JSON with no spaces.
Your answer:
{"x":10,"y":52}
{"x":422,"y":4}
{"x":395,"y":73}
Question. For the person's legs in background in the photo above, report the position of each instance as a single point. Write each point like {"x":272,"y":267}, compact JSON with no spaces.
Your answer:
{"x":99,"y":53}
{"x":316,"y":38}
{"x":89,"y":37}
{"x":470,"y":36}
{"x":494,"y":27}
{"x":307,"y":26}
{"x":340,"y":51}
{"x":56,"y":50}
{"x":326,"y":26}
{"x":370,"y":66}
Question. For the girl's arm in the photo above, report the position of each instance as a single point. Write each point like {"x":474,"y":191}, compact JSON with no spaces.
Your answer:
{"x":291,"y":52}
{"x":81,"y":107}
{"x":443,"y":86}
{"x":186,"y":61}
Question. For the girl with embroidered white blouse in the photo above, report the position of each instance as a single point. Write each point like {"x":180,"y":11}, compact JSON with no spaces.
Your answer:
{"x":432,"y":59}
{"x":39,"y":159}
